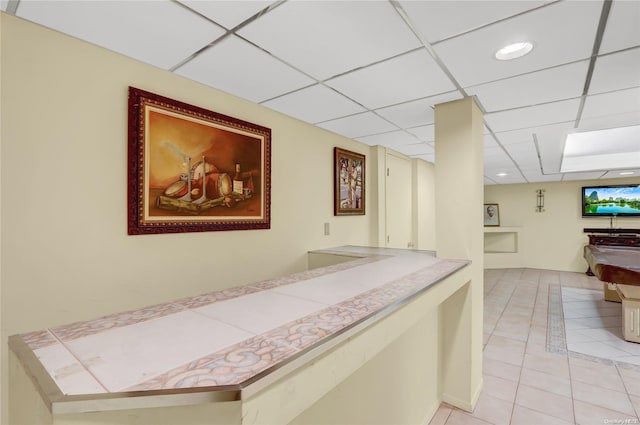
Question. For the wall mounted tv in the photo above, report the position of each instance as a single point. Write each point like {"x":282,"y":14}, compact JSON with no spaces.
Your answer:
{"x":609,"y":201}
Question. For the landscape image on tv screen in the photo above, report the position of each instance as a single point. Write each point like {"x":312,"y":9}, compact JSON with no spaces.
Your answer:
{"x":611,"y":200}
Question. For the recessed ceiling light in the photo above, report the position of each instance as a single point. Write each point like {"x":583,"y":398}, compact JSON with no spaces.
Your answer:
{"x":626,"y":173}
{"x":514,"y":51}
{"x":502,"y":174}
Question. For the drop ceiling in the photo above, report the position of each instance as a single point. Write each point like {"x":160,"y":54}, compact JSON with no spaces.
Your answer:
{"x":373,"y":70}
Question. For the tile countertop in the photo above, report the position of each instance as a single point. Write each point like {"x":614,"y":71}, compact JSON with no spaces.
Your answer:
{"x":230,"y":338}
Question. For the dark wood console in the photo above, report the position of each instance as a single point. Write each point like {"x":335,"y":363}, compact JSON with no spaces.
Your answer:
{"x":610,"y":231}
{"x":624,"y":239}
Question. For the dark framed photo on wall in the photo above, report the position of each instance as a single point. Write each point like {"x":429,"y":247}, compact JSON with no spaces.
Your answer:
{"x":194,"y":170}
{"x":349,"y":182}
{"x":491,"y":215}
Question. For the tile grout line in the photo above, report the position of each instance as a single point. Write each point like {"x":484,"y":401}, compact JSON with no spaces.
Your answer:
{"x":492,"y":332}
{"x":85,"y":366}
{"x":515,"y":398}
{"x":573,"y":400}
{"x":598,"y":360}
{"x":566,"y":359}
{"x":506,"y":304}
{"x":624,"y":384}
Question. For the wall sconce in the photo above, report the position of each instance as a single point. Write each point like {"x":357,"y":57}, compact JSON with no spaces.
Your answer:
{"x":540,"y":200}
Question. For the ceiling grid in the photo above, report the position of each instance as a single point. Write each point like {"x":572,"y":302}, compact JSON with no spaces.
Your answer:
{"x":373,"y":70}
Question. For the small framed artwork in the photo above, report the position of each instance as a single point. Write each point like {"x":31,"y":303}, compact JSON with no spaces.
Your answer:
{"x":491,"y":215}
{"x":349,"y":184}
{"x":194,"y":170}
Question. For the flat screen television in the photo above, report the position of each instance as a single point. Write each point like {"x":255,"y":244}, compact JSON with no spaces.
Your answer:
{"x":609,"y":201}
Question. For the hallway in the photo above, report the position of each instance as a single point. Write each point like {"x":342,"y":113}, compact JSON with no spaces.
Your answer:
{"x":529,"y":375}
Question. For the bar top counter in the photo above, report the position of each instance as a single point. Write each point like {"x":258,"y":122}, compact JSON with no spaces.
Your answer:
{"x":223,"y":342}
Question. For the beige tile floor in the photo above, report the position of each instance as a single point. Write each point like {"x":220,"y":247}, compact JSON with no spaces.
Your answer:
{"x":527,"y":380}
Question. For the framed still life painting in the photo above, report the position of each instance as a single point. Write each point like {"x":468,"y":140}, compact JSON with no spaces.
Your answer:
{"x":349,"y":184}
{"x":194,"y":170}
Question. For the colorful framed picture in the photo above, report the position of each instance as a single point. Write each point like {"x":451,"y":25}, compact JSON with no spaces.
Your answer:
{"x":194,"y":170}
{"x":491,"y":215}
{"x":349,"y":183}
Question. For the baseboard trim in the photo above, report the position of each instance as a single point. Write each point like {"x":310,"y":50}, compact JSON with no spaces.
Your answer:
{"x":466,"y":405}
{"x":431,"y":412}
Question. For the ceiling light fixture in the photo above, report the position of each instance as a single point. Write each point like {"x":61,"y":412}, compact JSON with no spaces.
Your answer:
{"x":514,"y":51}
{"x":502,"y":174}
{"x":626,"y":173}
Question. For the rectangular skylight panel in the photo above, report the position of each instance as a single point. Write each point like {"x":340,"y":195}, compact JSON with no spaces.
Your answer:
{"x":609,"y":149}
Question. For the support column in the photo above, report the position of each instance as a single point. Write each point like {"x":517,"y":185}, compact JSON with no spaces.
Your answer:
{"x":459,"y":191}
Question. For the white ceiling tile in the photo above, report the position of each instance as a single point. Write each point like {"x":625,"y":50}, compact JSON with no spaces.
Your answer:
{"x":328,"y":38}
{"x":227,"y":13}
{"x":605,"y":104}
{"x":344,"y":39}
{"x":551,"y":156}
{"x":616,"y":71}
{"x":407,"y":77}
{"x":534,"y":175}
{"x":489,"y":182}
{"x":415,"y":149}
{"x":428,"y":157}
{"x":553,"y":133}
{"x":610,"y":121}
{"x":507,"y":138}
{"x":498,"y":162}
{"x":160,"y":33}
{"x":493,"y":151}
{"x":513,"y":175}
{"x":617,"y":174}
{"x":524,"y":154}
{"x":544,"y":86}
{"x":497,"y":158}
{"x":4,"y":4}
{"x":562,"y":32}
{"x":582,"y":176}
{"x":391,"y":139}
{"x":490,"y":142}
{"x":513,"y":179}
{"x":364,"y":124}
{"x":426,"y":133}
{"x":542,"y":134}
{"x":437,"y":20}
{"x":533,"y":116}
{"x":418,"y":112}
{"x":320,"y":104}
{"x":237,"y":67}
{"x":550,"y":144}
{"x":622,"y":30}
{"x":493,"y":168}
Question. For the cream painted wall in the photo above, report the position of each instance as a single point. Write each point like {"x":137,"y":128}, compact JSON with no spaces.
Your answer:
{"x":459,"y":234}
{"x":2,"y":356}
{"x":404,"y":377}
{"x":423,"y":217}
{"x":398,"y":201}
{"x":424,"y":201}
{"x":66,"y":255}
{"x":554,"y":238}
